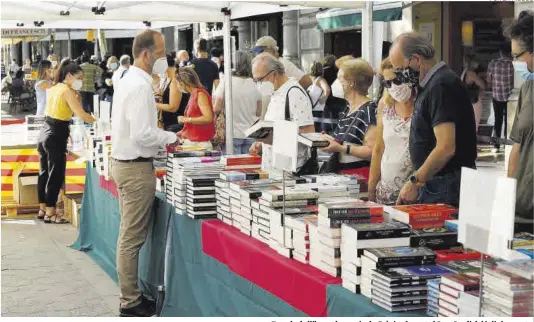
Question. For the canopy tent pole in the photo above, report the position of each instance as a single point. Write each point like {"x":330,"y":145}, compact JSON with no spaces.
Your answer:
{"x":367,"y":36}
{"x":227,"y":26}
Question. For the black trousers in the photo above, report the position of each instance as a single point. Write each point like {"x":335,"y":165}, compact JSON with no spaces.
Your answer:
{"x":87,"y":101}
{"x":52,"y":148}
{"x":500,"y":109}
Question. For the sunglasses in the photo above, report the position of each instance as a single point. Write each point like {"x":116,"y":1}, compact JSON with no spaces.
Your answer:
{"x":387,"y":82}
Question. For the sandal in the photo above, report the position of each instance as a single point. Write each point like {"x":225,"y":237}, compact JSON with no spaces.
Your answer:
{"x":61,"y":220}
{"x":42,"y":214}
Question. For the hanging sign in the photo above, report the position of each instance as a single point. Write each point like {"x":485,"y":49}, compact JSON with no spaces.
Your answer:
{"x":16,"y":32}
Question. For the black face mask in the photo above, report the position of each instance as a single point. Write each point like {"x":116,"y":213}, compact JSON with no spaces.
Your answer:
{"x":408,"y":75}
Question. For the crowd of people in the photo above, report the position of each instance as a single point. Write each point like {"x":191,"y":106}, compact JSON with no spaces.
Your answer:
{"x":411,"y":141}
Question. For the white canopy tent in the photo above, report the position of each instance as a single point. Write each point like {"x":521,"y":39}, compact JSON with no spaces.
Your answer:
{"x":133,"y":15}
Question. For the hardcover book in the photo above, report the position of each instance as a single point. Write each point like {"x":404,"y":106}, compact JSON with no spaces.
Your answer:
{"x":290,"y":194}
{"x":434,"y":238}
{"x":373,"y":230}
{"x":456,"y":254}
{"x":313,"y":140}
{"x":388,"y":255}
{"x":259,"y":130}
{"x":342,"y":209}
{"x":423,"y":214}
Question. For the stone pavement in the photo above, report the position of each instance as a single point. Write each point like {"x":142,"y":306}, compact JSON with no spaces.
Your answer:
{"x":42,"y":276}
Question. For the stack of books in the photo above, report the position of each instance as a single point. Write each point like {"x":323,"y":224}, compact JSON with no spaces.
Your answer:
{"x":201,"y":199}
{"x":451,"y":288}
{"x":433,"y":296}
{"x":422,"y":216}
{"x":187,"y":188}
{"x":469,"y":304}
{"x":403,"y":288}
{"x":332,"y":214}
{"x":281,"y":237}
{"x":245,"y":208}
{"x":456,"y":254}
{"x":524,"y":243}
{"x":298,"y":223}
{"x":357,"y":237}
{"x":508,"y":289}
{"x":222,"y":189}
{"x":34,"y":124}
{"x":387,"y":258}
{"x":353,"y":183}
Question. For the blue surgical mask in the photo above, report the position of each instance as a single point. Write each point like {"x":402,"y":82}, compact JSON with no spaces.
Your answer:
{"x":522,"y":69}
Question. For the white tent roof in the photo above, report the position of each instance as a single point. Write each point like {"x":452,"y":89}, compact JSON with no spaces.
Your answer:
{"x":131,"y":14}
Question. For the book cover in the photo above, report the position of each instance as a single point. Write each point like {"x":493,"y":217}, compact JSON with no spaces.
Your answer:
{"x":397,"y":277}
{"x":386,"y":255}
{"x":240,"y":159}
{"x":464,"y":266}
{"x":434,"y":238}
{"x":376,"y":230}
{"x":452,"y":224}
{"x":256,"y":192}
{"x":461,"y":282}
{"x":424,"y":271}
{"x":456,"y":254}
{"x":339,"y":209}
{"x":288,"y":203}
{"x":523,"y":240}
{"x":522,"y":267}
{"x":421,"y":214}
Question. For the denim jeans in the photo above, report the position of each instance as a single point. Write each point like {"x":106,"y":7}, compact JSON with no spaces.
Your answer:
{"x":444,"y":189}
{"x":241,"y":146}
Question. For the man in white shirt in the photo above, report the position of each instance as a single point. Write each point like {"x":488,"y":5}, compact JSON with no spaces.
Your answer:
{"x":121,"y":71}
{"x":269,"y":45}
{"x":270,"y":77}
{"x":135,"y":141}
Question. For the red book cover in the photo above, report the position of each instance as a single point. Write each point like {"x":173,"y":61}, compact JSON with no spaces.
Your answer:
{"x":461,"y":282}
{"x":420,"y":214}
{"x":456,"y":254}
{"x":432,"y":224}
{"x":236,"y":160}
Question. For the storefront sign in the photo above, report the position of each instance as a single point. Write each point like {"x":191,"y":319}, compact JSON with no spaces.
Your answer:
{"x":16,"y":33}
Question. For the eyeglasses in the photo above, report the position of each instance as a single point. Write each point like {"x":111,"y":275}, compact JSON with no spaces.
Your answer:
{"x":262,"y":78}
{"x":515,"y":57}
{"x":387,"y":82}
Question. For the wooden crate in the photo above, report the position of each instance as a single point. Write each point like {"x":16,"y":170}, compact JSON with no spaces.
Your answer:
{"x":11,"y":209}
{"x":72,"y":204}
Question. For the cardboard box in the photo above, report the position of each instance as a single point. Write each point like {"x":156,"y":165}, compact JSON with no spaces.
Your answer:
{"x":25,"y":186}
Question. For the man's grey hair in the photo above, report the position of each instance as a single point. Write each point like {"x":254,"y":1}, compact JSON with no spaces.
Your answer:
{"x":243,"y":63}
{"x":414,"y":44}
{"x":125,"y":60}
{"x":271,"y":62}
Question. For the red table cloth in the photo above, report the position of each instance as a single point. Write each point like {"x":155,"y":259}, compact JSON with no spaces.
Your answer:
{"x":302,"y":286}
{"x":109,"y":186}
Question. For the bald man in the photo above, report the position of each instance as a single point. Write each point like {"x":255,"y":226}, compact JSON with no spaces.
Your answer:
{"x":443,"y":136}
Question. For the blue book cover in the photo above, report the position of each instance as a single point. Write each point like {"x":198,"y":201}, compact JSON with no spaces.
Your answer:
{"x":452,"y":224}
{"x":434,"y":282}
{"x":528,"y":252}
{"x":427,"y":270}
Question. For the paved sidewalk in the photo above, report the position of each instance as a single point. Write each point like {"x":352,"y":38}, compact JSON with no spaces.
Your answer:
{"x":42,"y":276}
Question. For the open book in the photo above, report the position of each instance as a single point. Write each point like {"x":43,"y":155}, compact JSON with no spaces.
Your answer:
{"x":259,"y":130}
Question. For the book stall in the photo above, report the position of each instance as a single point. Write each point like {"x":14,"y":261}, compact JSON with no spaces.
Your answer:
{"x":232,"y":236}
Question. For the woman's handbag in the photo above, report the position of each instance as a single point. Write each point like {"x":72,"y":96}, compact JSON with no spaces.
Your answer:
{"x":220,"y":129}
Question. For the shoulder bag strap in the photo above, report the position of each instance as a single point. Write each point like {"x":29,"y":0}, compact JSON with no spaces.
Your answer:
{"x":287,"y":113}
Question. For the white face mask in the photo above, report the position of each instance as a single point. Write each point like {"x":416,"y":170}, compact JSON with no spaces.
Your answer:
{"x":400,"y":93}
{"x":54,"y":63}
{"x":160,"y":66}
{"x":337,"y":89}
{"x":114,"y":66}
{"x":77,"y":85}
{"x":265,"y":88}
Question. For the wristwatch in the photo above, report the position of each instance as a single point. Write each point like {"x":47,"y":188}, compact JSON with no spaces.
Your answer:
{"x":348,"y":149}
{"x":190,"y":121}
{"x":414,"y":180}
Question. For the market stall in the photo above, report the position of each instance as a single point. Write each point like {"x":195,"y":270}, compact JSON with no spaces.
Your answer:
{"x":212,"y":269}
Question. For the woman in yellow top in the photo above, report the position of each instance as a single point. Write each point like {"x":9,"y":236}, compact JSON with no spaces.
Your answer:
{"x":62,"y":101}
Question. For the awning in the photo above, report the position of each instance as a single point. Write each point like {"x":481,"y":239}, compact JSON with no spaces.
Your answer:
{"x":343,"y":19}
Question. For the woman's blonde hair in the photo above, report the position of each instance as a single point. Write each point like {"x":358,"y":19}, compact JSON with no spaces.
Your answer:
{"x":188,"y":76}
{"x":386,"y":65}
{"x":359,"y":74}
{"x":112,"y":59}
{"x":342,"y":60}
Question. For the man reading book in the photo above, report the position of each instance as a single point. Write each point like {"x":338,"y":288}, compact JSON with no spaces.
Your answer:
{"x":270,"y":78}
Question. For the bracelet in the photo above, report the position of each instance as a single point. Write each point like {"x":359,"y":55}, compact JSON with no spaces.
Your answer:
{"x":348,"y":150}
{"x":190,"y":120}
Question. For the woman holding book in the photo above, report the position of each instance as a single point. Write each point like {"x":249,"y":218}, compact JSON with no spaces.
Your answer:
{"x":355,"y":134}
{"x":198,"y":119}
{"x":391,"y":165}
